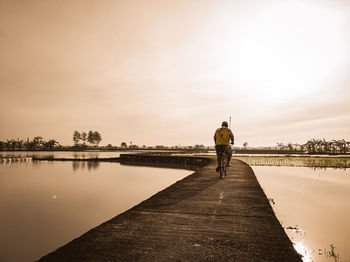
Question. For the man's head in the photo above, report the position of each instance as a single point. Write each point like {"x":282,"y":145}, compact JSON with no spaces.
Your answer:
{"x":224,"y":124}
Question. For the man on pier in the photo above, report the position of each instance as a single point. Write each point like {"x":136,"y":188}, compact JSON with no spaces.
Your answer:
{"x":222,"y":138}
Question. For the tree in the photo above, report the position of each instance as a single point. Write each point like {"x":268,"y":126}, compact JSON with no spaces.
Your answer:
{"x":91,"y":137}
{"x":281,"y":146}
{"x":38,"y":142}
{"x":343,"y":146}
{"x":133,"y":147}
{"x":94,"y":137}
{"x":50,"y":144}
{"x":28,"y":144}
{"x":290,"y":146}
{"x":245,"y":144}
{"x":333,"y":146}
{"x":11,"y":144}
{"x":310,"y":145}
{"x":97,"y":137}
{"x":123,"y":145}
{"x":19,"y":143}
{"x":76,"y":137}
{"x":323,"y":146}
{"x":84,"y":137}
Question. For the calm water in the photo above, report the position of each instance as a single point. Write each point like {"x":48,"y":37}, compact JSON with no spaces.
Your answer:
{"x":314,"y":208}
{"x":46,"y":204}
{"x":63,"y":154}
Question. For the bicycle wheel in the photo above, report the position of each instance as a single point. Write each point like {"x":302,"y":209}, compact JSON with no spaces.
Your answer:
{"x":222,"y":166}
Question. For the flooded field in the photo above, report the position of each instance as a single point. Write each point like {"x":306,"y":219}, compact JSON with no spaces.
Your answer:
{"x":296,"y":161}
{"x":22,"y":155}
{"x":44,"y":205}
{"x":313,"y":206}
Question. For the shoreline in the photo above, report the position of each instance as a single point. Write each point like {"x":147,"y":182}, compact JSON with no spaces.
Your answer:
{"x":159,"y":159}
{"x":191,"y":151}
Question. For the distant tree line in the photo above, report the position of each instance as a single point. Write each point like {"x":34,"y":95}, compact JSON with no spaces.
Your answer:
{"x":92,"y":137}
{"x":37,"y":143}
{"x":323,"y":146}
{"x":318,"y":146}
{"x":131,"y":146}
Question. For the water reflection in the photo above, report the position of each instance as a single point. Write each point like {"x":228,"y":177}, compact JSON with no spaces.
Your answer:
{"x":295,"y":229}
{"x":12,"y":160}
{"x":62,"y":154}
{"x":43,"y":205}
{"x":313,"y":206}
{"x":325,"y":168}
{"x":302,"y":250}
{"x":86,"y":155}
{"x":89,"y":165}
{"x":311,"y":255}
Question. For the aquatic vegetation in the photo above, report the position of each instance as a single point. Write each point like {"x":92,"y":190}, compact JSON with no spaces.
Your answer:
{"x":296,"y":161}
{"x":332,"y":253}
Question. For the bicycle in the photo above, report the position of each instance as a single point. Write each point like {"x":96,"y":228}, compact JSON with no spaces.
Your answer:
{"x":222,"y":159}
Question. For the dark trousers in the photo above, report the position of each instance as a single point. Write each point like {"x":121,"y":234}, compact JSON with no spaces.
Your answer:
{"x":221,"y":149}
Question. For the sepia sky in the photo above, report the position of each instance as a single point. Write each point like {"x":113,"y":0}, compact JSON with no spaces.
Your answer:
{"x":169,"y":72}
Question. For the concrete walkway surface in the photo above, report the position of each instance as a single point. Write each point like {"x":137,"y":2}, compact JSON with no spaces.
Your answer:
{"x":200,"y":218}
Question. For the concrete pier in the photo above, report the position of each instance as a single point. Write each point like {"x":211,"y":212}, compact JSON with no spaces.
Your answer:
{"x":200,"y":218}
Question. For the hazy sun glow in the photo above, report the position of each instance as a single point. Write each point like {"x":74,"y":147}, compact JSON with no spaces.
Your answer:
{"x":289,"y":50}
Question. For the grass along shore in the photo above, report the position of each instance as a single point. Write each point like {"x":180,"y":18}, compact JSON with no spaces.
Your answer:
{"x":313,"y":161}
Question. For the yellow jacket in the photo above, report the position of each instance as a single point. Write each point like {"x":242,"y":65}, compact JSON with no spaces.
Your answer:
{"x":223,"y":136}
